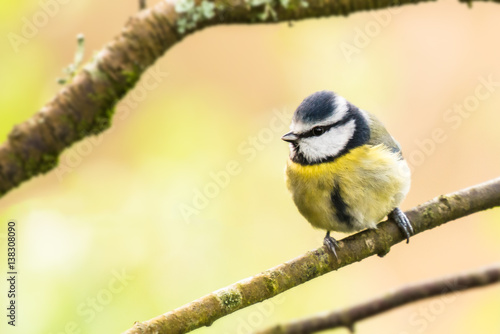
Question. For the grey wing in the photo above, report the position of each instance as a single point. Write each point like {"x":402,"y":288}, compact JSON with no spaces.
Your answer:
{"x":379,"y":135}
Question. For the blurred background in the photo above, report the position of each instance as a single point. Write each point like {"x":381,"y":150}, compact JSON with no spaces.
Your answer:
{"x":185,"y":193}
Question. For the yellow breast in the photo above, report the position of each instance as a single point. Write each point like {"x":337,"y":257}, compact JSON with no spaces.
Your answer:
{"x":369,"y":180}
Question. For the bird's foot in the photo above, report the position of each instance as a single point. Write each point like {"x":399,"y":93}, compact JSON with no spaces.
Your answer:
{"x":403,"y":223}
{"x":330,"y":243}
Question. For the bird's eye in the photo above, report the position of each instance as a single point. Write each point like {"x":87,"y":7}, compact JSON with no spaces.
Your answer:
{"x":319,"y":130}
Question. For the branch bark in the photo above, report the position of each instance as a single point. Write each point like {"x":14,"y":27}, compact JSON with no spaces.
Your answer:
{"x":205,"y":310}
{"x":85,"y":106}
{"x":406,"y":295}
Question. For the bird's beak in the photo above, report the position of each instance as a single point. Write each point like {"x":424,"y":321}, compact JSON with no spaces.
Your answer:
{"x":290,"y":137}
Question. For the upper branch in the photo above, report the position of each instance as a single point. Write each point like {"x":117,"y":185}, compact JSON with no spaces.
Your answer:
{"x":85,"y":106}
{"x":207,"y":309}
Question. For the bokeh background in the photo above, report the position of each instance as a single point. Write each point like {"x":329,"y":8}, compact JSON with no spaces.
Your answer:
{"x":133,"y":225}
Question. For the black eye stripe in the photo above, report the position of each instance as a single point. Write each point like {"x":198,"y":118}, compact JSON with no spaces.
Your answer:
{"x":325,"y":128}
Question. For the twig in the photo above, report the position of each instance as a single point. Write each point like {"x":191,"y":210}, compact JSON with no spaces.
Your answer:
{"x":406,"y":295}
{"x":207,"y":309}
{"x":72,"y":68}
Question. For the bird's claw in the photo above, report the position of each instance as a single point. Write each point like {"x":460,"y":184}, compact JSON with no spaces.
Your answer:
{"x":403,"y":223}
{"x":330,"y":243}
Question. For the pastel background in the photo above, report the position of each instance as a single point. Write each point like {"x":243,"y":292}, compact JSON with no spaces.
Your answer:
{"x":134,"y":224}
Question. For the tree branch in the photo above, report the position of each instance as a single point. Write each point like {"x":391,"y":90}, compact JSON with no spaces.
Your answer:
{"x":85,"y":106}
{"x":205,"y":310}
{"x":406,"y":295}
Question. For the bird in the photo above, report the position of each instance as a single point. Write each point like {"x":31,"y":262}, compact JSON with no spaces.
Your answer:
{"x":345,"y":172}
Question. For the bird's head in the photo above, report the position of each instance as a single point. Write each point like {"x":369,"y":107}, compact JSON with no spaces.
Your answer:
{"x":324,"y":127}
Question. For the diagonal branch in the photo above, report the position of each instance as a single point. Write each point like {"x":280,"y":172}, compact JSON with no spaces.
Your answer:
{"x":85,"y":106}
{"x":205,"y":310}
{"x":406,"y":295}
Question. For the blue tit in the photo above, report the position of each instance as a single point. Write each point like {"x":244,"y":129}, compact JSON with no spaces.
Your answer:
{"x":345,"y":171}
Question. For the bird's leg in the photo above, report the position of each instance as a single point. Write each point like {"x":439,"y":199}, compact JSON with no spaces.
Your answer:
{"x":404,"y":224}
{"x":330,"y":243}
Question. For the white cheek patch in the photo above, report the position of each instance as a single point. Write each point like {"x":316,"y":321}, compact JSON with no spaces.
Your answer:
{"x":328,"y":144}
